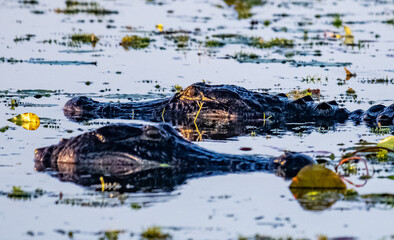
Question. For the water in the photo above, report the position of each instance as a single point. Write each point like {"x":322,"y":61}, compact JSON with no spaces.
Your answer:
{"x":218,"y":207}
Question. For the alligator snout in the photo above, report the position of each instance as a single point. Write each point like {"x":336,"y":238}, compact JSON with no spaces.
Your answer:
{"x":42,"y":157}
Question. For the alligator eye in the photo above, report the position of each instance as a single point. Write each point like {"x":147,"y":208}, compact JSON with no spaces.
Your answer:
{"x":192,"y":92}
{"x":152,"y":132}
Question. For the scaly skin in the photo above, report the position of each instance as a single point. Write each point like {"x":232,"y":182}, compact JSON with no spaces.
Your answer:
{"x":224,"y":102}
{"x":123,"y":151}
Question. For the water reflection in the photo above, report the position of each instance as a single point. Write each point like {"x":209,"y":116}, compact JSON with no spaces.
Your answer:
{"x":317,"y":199}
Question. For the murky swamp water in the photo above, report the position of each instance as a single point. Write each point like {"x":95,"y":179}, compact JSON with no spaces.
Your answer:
{"x":220,"y":42}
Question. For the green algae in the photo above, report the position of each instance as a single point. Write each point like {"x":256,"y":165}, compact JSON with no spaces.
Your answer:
{"x":135,"y":42}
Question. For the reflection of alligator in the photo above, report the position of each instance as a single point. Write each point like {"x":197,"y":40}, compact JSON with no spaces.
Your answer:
{"x":226,"y":103}
{"x":146,"y":155}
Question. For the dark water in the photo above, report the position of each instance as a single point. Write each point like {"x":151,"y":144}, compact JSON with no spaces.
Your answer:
{"x":42,"y":67}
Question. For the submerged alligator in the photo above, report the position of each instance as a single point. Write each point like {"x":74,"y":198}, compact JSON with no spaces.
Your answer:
{"x":224,"y":102}
{"x":134,"y":154}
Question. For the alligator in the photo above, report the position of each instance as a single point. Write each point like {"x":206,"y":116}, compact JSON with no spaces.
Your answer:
{"x":223,"y":101}
{"x":230,"y":105}
{"x":134,"y":154}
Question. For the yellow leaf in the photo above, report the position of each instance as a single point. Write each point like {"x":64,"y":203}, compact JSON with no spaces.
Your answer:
{"x":387,"y":142}
{"x":317,"y":176}
{"x":348,"y":32}
{"x":29,"y":121}
{"x":159,"y":27}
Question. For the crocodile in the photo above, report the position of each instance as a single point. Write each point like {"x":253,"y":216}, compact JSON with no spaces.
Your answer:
{"x":136,"y":152}
{"x":224,"y":102}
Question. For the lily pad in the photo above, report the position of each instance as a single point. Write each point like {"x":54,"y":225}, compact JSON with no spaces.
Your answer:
{"x":317,"y":176}
{"x":387,"y":142}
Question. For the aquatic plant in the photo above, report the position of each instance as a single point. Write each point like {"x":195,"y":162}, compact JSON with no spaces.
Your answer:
{"x":390,"y":21}
{"x":275,"y":42}
{"x":85,"y":38}
{"x":3,"y":129}
{"x":135,"y":206}
{"x":18,"y":193}
{"x":135,"y":42}
{"x":111,"y":235}
{"x":181,"y":40}
{"x":337,"y":21}
{"x":177,"y":88}
{"x":155,"y":233}
{"x":245,"y":56}
{"x":296,"y":94}
{"x":213,"y":43}
{"x":317,"y":176}
{"x":75,"y":7}
{"x":243,"y":7}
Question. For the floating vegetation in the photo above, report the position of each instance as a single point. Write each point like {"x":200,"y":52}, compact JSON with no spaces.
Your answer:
{"x":135,"y":42}
{"x":18,"y":193}
{"x":214,"y":43}
{"x":135,"y":206}
{"x":70,"y":3}
{"x":275,"y":42}
{"x":315,"y":63}
{"x":85,"y":38}
{"x":350,"y":91}
{"x":111,"y":235}
{"x":27,"y":37}
{"x":155,"y":233}
{"x":31,"y":2}
{"x":337,"y":21}
{"x":76,"y":7}
{"x":378,"y":81}
{"x":28,"y":121}
{"x":390,"y":21}
{"x":10,"y":60}
{"x":296,"y":94}
{"x":317,"y":176}
{"x":243,"y":7}
{"x":313,"y":79}
{"x":242,"y":56}
{"x":349,"y":74}
{"x":3,"y":129}
{"x":181,"y":40}
{"x":177,"y":88}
